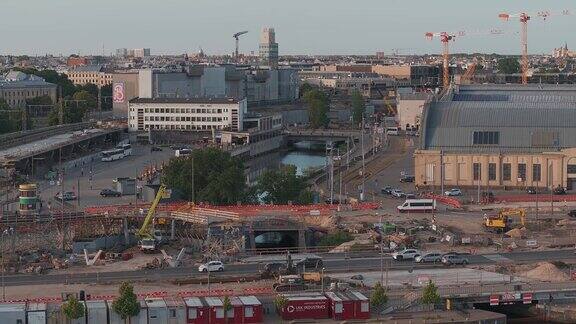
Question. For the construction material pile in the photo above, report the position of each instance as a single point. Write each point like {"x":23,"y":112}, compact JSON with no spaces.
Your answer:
{"x":546,"y":271}
{"x":518,"y":233}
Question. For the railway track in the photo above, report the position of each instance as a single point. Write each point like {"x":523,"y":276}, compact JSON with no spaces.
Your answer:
{"x":19,"y":138}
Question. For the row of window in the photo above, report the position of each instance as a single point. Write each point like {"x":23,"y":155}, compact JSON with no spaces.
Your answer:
{"x":507,"y":172}
{"x":486,"y":138}
{"x":188,"y":119}
{"x":183,"y":127}
{"x":27,"y":93}
{"x":182,"y":110}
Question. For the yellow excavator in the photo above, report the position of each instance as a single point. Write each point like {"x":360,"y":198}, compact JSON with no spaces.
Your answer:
{"x":503,"y":221}
{"x":148,"y":243}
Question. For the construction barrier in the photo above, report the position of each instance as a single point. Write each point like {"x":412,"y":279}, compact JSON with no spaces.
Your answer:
{"x":154,"y":294}
{"x":533,"y":198}
{"x":258,"y":291}
{"x":449,"y":201}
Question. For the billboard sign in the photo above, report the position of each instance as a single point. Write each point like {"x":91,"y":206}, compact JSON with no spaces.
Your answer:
{"x":118,"y":92}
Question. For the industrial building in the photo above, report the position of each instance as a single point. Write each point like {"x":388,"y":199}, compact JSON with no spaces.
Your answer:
{"x":186,"y":114}
{"x":499,"y":136}
{"x":16,"y":87}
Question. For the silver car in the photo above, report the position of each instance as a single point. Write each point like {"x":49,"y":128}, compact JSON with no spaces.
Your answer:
{"x":452,"y":259}
{"x":432,"y":257}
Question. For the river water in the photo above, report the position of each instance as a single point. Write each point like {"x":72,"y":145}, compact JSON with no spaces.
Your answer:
{"x":304,"y":160}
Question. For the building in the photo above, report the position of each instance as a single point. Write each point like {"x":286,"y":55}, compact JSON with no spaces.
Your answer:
{"x":95,"y":74}
{"x":410,"y":108}
{"x":563,"y":52}
{"x":124,"y":89}
{"x":499,"y":136}
{"x":417,"y":75}
{"x":186,"y":114}
{"x":269,"y":47}
{"x":16,"y":87}
{"x":141,"y":52}
{"x":75,"y":60}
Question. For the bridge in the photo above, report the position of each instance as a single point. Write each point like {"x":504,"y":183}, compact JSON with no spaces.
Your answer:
{"x":297,"y":135}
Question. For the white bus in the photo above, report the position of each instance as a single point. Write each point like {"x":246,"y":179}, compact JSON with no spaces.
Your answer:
{"x":127,"y":148}
{"x":183,"y":152}
{"x":112,"y":155}
{"x":418,"y":206}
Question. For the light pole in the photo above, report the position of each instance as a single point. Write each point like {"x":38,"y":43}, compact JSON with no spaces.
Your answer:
{"x":7,"y":231}
{"x":381,"y":249}
{"x":322,"y":279}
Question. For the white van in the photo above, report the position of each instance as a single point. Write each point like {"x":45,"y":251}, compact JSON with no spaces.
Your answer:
{"x":418,"y":206}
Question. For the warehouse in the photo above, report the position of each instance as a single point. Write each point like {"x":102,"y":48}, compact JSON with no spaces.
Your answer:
{"x":513,"y":136}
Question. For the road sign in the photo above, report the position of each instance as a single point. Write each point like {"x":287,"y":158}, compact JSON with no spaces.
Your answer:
{"x":494,"y":300}
{"x":527,"y":298}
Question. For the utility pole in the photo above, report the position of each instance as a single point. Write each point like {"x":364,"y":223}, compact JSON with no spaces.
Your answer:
{"x":331,"y":176}
{"x":441,"y":172}
{"x":363,"y":163}
{"x":381,"y":249}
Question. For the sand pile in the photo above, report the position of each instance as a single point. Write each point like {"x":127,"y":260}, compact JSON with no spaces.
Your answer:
{"x":546,"y":271}
{"x":517,"y":233}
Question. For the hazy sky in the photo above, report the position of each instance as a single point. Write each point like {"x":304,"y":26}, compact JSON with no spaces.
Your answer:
{"x":302,"y":26}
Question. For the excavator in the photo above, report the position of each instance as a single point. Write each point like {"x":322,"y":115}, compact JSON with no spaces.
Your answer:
{"x":503,"y":221}
{"x":148,"y":242}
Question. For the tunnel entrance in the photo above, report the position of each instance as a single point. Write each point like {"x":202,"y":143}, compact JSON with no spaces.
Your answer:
{"x":516,"y":312}
{"x":276,"y":239}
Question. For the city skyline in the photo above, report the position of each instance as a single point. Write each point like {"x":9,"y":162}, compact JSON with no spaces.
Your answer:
{"x":35,"y":27}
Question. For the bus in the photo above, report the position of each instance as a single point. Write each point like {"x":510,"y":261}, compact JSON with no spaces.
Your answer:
{"x":392,"y":131}
{"x":418,"y":206}
{"x":112,"y":155}
{"x":183,"y":152}
{"x":127,"y":148}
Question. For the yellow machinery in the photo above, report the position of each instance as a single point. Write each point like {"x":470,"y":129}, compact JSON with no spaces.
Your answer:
{"x":502,"y":221}
{"x":148,"y":242}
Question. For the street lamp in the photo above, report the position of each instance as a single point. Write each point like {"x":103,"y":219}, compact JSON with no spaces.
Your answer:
{"x":7,"y":231}
{"x":322,"y":279}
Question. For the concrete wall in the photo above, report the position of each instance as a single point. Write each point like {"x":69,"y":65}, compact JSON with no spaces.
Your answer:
{"x":131,"y":91}
{"x":214,"y":82}
{"x":145,"y":84}
{"x":410,"y":112}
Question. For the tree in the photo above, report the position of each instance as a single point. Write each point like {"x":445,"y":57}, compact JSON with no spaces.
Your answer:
{"x":283,"y":185}
{"x":318,"y":106}
{"x":42,"y":100}
{"x":89,"y":87}
{"x":106,"y":97}
{"x":430,"y":294}
{"x":226,"y":306}
{"x":52,"y":76}
{"x":508,"y":65}
{"x":336,"y":239}
{"x":10,"y":119}
{"x":72,"y":309}
{"x":280,"y":302}
{"x":378,"y":297}
{"x":85,"y":99}
{"x":304,"y":88}
{"x":218,"y":177}
{"x":126,"y":305}
{"x":358,"y":107}
{"x":70,"y":114}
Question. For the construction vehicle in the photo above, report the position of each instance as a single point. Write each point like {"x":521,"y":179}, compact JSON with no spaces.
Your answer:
{"x":148,"y":240}
{"x":503,"y":221}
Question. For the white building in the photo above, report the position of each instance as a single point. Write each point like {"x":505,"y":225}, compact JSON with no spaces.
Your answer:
{"x":186,"y":114}
{"x":410,"y":107}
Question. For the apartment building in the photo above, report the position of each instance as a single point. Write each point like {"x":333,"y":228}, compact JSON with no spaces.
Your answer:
{"x":95,"y":74}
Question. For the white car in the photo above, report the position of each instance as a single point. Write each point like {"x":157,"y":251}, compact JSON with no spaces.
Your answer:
{"x":453,"y":192}
{"x":397,"y":193}
{"x":407,"y":254}
{"x":211,"y":266}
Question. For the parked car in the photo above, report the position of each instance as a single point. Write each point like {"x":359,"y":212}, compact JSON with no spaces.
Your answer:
{"x":572,"y":213}
{"x":397,"y":193}
{"x":559,"y":191}
{"x":211,"y":266}
{"x":454,"y":259}
{"x":429,"y":257}
{"x":155,"y":149}
{"x":68,"y":195}
{"x":453,"y":192}
{"x":410,"y":195}
{"x":386,"y":190}
{"x":310,"y":263}
{"x":110,"y":193}
{"x":531,"y":190}
{"x":407,"y":178}
{"x":407,"y":254}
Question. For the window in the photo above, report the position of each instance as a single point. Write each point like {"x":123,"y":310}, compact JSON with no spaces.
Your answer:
{"x":536,"y":172}
{"x":248,"y":311}
{"x":492,"y":171}
{"x":230,"y":313}
{"x":486,"y":138}
{"x":172,"y":313}
{"x":507,"y":172}
{"x":522,"y":171}
{"x":364,"y":307}
{"x":476,"y":171}
{"x":571,"y":168}
{"x":219,"y":312}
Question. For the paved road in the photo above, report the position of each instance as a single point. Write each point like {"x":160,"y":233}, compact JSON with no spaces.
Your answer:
{"x":331,"y":264}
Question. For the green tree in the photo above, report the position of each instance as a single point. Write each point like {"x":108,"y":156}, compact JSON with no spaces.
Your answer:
{"x":52,"y":76}
{"x":89,"y":87}
{"x":42,"y":100}
{"x":10,"y":119}
{"x":280,"y":302}
{"x":358,"y":107}
{"x":71,"y":114}
{"x":335,"y":239}
{"x":226,"y":306}
{"x":318,"y":107}
{"x":430,"y":295}
{"x":282,"y":185}
{"x":378,"y":298}
{"x":508,"y":65}
{"x":218,"y":178}
{"x":73,"y":309}
{"x":106,"y":97}
{"x":126,"y":305}
{"x":85,"y":99}
{"x":304,"y":88}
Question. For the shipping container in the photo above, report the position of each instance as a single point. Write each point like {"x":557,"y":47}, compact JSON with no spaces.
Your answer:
{"x":362,"y":305}
{"x":157,"y":311}
{"x":13,"y":313}
{"x":236,"y":313}
{"x":176,"y":310}
{"x":197,"y":311}
{"x":96,"y":312}
{"x":341,"y":306}
{"x":252,"y":309}
{"x":54,"y":314}
{"x":216,"y":310}
{"x":143,"y":315}
{"x":305,"y":306}
{"x":36,"y":313}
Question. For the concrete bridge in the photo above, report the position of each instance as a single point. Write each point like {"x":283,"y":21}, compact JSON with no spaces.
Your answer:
{"x":296,"y":135}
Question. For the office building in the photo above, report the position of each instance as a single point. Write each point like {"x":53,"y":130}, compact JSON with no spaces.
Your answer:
{"x":186,"y":114}
{"x":141,"y":52}
{"x":16,"y":87}
{"x":499,"y":136}
{"x":95,"y":74}
{"x":269,"y":47}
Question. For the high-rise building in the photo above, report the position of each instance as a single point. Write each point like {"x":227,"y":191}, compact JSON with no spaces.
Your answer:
{"x":269,"y":47}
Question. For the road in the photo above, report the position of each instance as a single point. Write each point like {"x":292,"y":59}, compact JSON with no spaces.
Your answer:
{"x":332,"y":263}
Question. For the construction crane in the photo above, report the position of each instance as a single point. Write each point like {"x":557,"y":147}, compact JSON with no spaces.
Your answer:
{"x":470,"y":70}
{"x":148,"y":242}
{"x":524,"y":17}
{"x":502,"y":221}
{"x":237,"y":37}
{"x":445,"y":38}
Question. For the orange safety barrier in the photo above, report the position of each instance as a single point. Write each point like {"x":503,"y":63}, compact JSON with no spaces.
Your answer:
{"x":445,"y":200}
{"x":154,"y":294}
{"x":258,"y":291}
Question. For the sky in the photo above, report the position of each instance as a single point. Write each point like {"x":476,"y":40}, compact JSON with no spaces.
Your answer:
{"x":38,"y":27}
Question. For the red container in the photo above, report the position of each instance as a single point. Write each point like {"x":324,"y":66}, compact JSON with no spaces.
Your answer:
{"x":196,"y":311}
{"x":252,"y":309}
{"x":348,"y":305}
{"x":305,"y":306}
{"x":215,"y":311}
